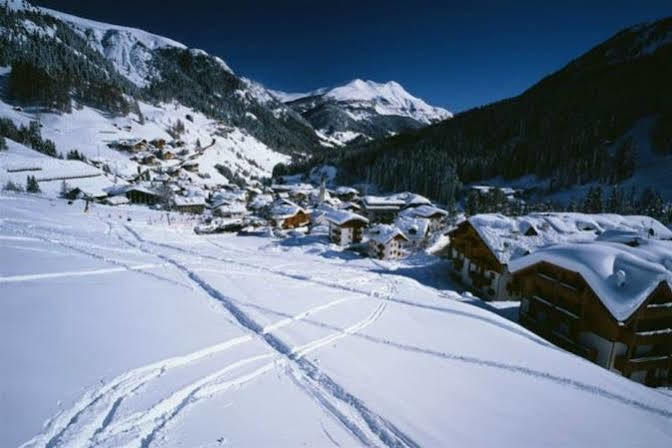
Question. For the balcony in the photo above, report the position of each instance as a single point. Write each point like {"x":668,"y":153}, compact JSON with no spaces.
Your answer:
{"x":661,"y":336}
{"x":627,"y":366}
{"x":657,"y":310}
{"x":546,"y":330}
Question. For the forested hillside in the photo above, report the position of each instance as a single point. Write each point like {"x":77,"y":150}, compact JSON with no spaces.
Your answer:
{"x":566,"y":128}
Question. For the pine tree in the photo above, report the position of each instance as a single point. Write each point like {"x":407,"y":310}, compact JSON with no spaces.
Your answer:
{"x":31,"y":185}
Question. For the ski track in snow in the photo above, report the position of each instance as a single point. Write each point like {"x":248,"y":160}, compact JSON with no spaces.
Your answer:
{"x":322,"y":384}
{"x":351,"y":289}
{"x":592,"y":389}
{"x":91,"y":421}
{"x":50,"y":275}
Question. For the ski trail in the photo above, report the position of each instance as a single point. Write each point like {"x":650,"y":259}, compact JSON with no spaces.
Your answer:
{"x":389,"y":297}
{"x":106,"y":395}
{"x":147,"y":424}
{"x":144,"y":425}
{"x":300,"y":352}
{"x":305,"y":314}
{"x":384,"y":430}
{"x":106,"y":259}
{"x":50,"y":275}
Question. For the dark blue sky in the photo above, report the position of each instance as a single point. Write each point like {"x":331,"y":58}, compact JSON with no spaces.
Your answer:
{"x":453,"y":54}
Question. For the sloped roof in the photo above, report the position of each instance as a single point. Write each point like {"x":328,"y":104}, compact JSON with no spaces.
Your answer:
{"x":413,"y":228}
{"x":285,"y":209}
{"x":622,"y":277}
{"x":340,"y":217}
{"x":505,"y":236}
{"x":423,"y":211}
{"x":384,"y":233}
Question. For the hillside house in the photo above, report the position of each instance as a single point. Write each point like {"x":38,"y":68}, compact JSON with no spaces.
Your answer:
{"x":139,"y":194}
{"x":416,"y":231}
{"x":345,"y":228}
{"x":606,"y":301}
{"x":435,"y":215}
{"x":381,"y":209}
{"x":386,"y":242}
{"x":346,"y":193}
{"x":482,"y":246}
{"x":188,"y":204}
{"x":285,"y":214}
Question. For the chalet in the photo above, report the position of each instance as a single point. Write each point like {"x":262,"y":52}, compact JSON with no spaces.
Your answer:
{"x":386,"y":242}
{"x":165,"y":154}
{"x":116,"y":200}
{"x":433,"y":214}
{"x":139,"y":194}
{"x":482,"y":246}
{"x":285,"y":214}
{"x":606,"y":301}
{"x":345,"y":228}
{"x":188,"y":204}
{"x":381,"y":208}
{"x":230,"y":210}
{"x":416,"y":231}
{"x":149,"y":159}
{"x":346,"y":193}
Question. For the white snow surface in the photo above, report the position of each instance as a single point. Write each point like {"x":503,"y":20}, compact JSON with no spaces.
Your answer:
{"x":90,"y":131}
{"x":140,"y":333}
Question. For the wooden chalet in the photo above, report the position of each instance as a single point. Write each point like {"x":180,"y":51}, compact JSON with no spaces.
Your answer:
{"x":386,"y":242}
{"x":380,"y":209}
{"x":139,"y":194}
{"x":345,"y":228}
{"x":285,"y":214}
{"x":188,"y":204}
{"x":482,"y":246}
{"x":607,"y":302}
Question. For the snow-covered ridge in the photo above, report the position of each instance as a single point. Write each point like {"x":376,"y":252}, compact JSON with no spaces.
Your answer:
{"x":388,"y":98}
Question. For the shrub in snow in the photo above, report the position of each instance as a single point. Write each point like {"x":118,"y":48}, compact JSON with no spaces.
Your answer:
{"x":31,"y":185}
{"x":3,"y":143}
{"x":11,"y":186}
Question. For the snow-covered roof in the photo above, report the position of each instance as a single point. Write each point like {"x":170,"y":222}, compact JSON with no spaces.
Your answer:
{"x":340,"y":217}
{"x":415,"y":229}
{"x":382,"y":202}
{"x":117,"y":200}
{"x":233,"y":208}
{"x":228,"y":197}
{"x":506,"y":236}
{"x":342,"y":191}
{"x":285,"y":209}
{"x":183,"y":201}
{"x":623,"y":277}
{"x":261,"y":201}
{"x":384,"y":233}
{"x":423,"y":211}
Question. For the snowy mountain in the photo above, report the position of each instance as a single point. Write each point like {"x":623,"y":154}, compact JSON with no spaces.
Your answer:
{"x":60,"y":68}
{"x":604,"y":119}
{"x":363,"y":110}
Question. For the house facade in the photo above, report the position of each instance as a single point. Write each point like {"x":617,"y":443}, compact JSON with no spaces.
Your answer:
{"x":386,"y":242}
{"x":611,"y":305}
{"x":345,"y":228}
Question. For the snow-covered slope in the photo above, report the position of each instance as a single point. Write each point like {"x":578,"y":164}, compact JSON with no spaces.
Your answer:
{"x":121,"y":67}
{"x":363,"y":109}
{"x":119,"y":329}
